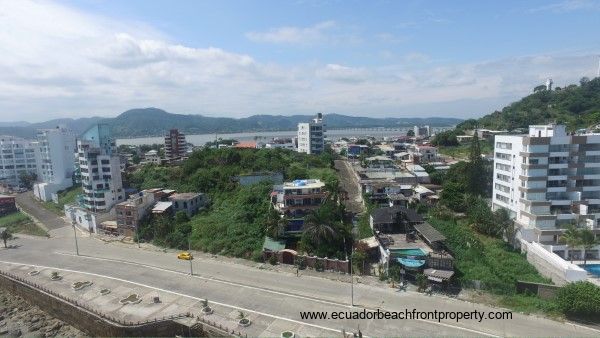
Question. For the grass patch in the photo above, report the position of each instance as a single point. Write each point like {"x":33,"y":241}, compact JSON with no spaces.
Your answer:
{"x":18,"y":222}
{"x":462,"y":151}
{"x":486,"y":259}
{"x":67,"y":196}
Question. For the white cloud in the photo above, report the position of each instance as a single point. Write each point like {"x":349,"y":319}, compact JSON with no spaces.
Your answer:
{"x":416,"y":57}
{"x":339,"y":73}
{"x":569,"y":6}
{"x":294,"y":35}
{"x":59,"y":62}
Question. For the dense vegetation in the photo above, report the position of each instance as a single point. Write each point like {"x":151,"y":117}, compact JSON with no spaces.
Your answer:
{"x":236,"y":222}
{"x":577,"y":106}
{"x":581,"y":299}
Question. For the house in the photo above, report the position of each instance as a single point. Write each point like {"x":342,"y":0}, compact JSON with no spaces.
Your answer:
{"x":152,"y":157}
{"x":379,"y":162}
{"x":424,"y":154}
{"x":131,"y":211}
{"x":296,"y":199}
{"x":393,"y":219}
{"x":7,"y":205}
{"x":189,"y":202}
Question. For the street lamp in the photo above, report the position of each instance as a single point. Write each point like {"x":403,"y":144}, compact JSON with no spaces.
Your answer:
{"x":75,"y":232}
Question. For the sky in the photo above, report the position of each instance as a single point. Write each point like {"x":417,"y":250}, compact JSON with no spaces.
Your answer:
{"x":379,"y":58}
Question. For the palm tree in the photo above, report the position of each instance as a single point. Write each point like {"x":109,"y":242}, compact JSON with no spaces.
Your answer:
{"x":587,"y":241}
{"x":571,"y":237}
{"x":317,"y":229}
{"x":6,"y":236}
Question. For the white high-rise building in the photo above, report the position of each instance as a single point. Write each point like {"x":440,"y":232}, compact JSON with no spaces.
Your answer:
{"x":311,"y":136}
{"x":549,"y":179}
{"x":100,"y":169}
{"x":17,"y":156}
{"x":57,"y":162}
{"x":422,"y":131}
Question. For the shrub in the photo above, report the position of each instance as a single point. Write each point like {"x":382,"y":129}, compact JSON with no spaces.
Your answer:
{"x":319,"y":266}
{"x":273,"y":260}
{"x":580,"y":299}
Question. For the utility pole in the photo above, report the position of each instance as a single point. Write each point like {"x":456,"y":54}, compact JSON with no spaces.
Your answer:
{"x":76,"y":245}
{"x":137,"y":235}
{"x":351,"y":273}
{"x":191,"y":258}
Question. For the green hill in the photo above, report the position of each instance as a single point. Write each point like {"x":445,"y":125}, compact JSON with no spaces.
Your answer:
{"x":577,"y":106}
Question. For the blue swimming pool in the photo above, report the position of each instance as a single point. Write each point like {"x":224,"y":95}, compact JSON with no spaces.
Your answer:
{"x":594,"y":269}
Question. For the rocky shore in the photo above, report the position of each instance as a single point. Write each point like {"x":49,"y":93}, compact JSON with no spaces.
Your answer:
{"x":19,"y":318}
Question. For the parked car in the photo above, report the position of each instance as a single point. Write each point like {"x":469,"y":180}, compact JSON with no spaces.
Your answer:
{"x":185,"y":256}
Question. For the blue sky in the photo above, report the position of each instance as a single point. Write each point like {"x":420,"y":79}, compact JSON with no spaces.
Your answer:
{"x":238,"y":58}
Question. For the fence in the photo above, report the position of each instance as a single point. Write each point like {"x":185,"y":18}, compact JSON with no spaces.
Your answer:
{"x":313,"y":262}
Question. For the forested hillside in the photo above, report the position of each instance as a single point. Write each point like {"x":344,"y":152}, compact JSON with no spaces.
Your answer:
{"x":577,"y":106}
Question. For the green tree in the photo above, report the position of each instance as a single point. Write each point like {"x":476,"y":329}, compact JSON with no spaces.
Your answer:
{"x":476,"y":172}
{"x":6,"y":235}
{"x":505,"y":224}
{"x":27,"y":179}
{"x":571,"y":237}
{"x":410,"y":133}
{"x":317,"y":229}
{"x":587,"y":241}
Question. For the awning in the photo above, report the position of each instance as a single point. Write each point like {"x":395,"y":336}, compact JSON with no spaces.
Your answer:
{"x":438,"y":274}
{"x":411,"y":263}
{"x":429,"y":233}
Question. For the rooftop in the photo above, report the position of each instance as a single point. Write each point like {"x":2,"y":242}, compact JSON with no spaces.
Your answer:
{"x":428,"y":232}
{"x":309,"y":183}
{"x":184,"y":196}
{"x":389,"y":214}
{"x":161,"y":207}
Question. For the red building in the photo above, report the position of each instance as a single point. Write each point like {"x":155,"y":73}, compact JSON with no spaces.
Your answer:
{"x":7,"y":205}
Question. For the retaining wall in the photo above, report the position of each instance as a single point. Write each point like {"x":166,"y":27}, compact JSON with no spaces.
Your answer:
{"x":551,"y":265}
{"x":97,"y":324}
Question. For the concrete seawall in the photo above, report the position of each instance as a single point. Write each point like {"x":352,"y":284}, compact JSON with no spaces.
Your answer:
{"x":95,"y":324}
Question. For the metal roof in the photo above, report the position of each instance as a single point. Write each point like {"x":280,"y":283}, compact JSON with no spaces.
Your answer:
{"x":429,"y":233}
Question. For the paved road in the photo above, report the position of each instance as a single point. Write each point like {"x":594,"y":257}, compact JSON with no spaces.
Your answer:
{"x":30,"y":205}
{"x":349,"y":184}
{"x":268,"y":293}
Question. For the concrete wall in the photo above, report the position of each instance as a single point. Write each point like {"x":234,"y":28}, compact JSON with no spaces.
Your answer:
{"x":96,"y":324}
{"x":551,"y":265}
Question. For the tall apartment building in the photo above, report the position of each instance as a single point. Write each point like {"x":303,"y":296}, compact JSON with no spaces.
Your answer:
{"x":422,"y":131}
{"x":57,"y":161}
{"x":548,"y":180}
{"x":296,"y":199}
{"x":175,"y":145}
{"x":99,"y":165}
{"x":311,"y":136}
{"x":17,"y":156}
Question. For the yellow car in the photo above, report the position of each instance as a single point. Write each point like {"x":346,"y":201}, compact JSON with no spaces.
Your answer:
{"x":185,"y":255}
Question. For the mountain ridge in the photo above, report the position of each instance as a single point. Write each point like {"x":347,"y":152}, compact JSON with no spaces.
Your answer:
{"x":142,"y":122}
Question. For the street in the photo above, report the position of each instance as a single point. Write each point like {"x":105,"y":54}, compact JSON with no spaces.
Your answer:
{"x":276,"y":295}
